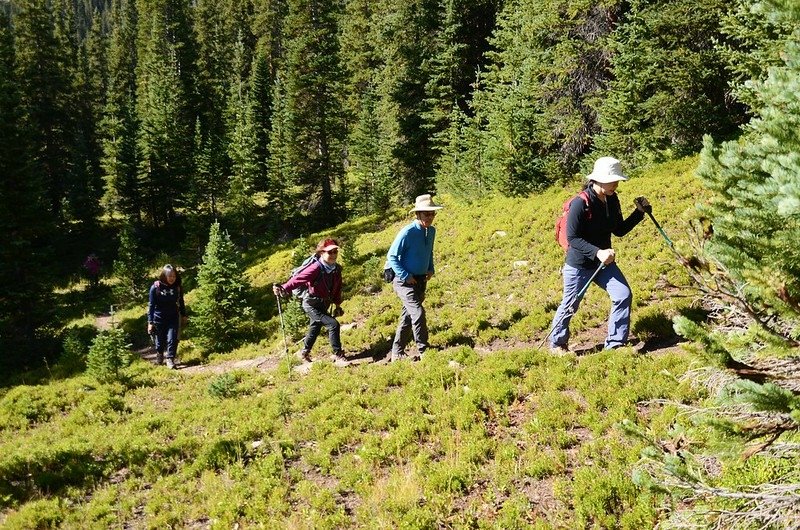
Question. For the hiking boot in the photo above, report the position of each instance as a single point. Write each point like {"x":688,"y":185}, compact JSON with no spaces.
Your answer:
{"x":303,"y":356}
{"x":397,"y":357}
{"x":559,"y":350}
{"x":159,"y":358}
{"x":339,"y":359}
{"x":170,"y":363}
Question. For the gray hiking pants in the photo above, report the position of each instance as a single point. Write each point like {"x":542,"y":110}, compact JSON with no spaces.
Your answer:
{"x":412,"y":317}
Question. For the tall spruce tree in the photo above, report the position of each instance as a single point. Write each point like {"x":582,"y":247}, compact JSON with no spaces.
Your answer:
{"x":670,"y":85}
{"x":166,"y":128}
{"x":535,"y":98}
{"x":752,"y":44}
{"x":119,"y":126}
{"x":242,"y":150}
{"x":44,"y":86}
{"x":315,"y":122}
{"x":25,"y":222}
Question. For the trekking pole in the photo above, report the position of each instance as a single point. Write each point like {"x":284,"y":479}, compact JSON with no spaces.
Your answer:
{"x":658,"y":226}
{"x":578,"y":297}
{"x":283,"y":328}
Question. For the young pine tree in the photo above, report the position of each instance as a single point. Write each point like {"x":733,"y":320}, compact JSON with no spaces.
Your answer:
{"x":750,"y":264}
{"x":129,"y":268}
{"x":220,"y":308}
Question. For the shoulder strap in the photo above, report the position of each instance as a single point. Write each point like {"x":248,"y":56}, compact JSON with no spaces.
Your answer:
{"x":585,"y":196}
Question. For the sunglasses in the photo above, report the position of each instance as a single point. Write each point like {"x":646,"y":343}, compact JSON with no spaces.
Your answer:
{"x":334,"y":251}
{"x":428,"y":214}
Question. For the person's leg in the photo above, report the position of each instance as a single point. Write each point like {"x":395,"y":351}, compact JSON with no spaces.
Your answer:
{"x":619,"y":319}
{"x":574,"y":280}
{"x":172,"y":340}
{"x":160,"y":339}
{"x":314,"y":326}
{"x":332,"y":325}
{"x":401,"y":336}
{"x":419,"y":320}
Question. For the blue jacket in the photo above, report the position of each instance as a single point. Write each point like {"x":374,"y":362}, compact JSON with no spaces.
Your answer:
{"x":411,"y":254}
{"x":166,"y":302}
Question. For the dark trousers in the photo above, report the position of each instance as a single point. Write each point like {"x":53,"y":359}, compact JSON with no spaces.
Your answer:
{"x":318,"y":316}
{"x":412,"y":317}
{"x":167,"y":334}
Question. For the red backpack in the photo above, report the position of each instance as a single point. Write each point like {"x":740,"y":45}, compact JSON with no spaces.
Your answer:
{"x":561,"y":222}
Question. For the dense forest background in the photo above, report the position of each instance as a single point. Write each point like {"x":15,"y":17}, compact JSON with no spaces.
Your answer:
{"x":129,"y":127}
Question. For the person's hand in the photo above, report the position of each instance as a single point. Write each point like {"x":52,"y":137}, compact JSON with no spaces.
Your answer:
{"x":411,"y":280}
{"x":278,"y":290}
{"x":606,"y":255}
{"x":184,"y":320}
{"x":149,"y":328}
{"x":338,"y":311}
{"x":642,"y":204}
{"x":428,"y":275}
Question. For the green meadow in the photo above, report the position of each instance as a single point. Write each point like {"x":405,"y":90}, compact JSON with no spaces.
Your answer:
{"x":488,"y":431}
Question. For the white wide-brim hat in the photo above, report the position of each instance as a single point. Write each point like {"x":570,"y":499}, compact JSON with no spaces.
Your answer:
{"x":606,"y":170}
{"x":424,"y":203}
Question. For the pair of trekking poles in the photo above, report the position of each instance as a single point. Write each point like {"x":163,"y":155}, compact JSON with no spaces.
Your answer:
{"x":601,"y":267}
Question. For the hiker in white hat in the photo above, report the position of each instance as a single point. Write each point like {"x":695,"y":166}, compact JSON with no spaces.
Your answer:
{"x":593,"y":216}
{"x":409,"y":266}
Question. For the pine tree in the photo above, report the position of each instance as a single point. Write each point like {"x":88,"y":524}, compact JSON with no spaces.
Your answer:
{"x":129,"y":268}
{"x":220,"y":308}
{"x":25,"y":222}
{"x":281,"y":171}
{"x":242,"y":150}
{"x":44,"y":87}
{"x":747,"y":262}
{"x":315,"y":123}
{"x":119,"y":126}
{"x":752,"y":44}
{"x":166,"y":136}
{"x":535,"y":98}
{"x":669,"y":84}
{"x":260,"y":114}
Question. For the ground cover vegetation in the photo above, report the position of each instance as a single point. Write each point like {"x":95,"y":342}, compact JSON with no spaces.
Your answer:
{"x":228,"y":137}
{"x":487,"y":431}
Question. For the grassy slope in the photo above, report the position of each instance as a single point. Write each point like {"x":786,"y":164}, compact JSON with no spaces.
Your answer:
{"x":507,"y":437}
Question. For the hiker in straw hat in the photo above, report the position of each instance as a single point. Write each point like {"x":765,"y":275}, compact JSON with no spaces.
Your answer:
{"x":589,"y":225}
{"x":409,"y":266}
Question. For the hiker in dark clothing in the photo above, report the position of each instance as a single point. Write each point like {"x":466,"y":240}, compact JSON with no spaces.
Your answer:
{"x":92,"y":267}
{"x":321,"y":280}
{"x":411,"y":259}
{"x":166,"y":312}
{"x":588,"y":233}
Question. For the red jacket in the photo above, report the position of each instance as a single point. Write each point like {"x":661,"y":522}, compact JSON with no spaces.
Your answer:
{"x":325,"y":286}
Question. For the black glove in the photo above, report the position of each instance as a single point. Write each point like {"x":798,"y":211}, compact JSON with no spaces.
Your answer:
{"x":338,"y":311}
{"x":643,"y":205}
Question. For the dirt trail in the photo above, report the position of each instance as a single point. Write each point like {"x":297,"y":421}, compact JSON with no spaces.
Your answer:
{"x":588,"y":342}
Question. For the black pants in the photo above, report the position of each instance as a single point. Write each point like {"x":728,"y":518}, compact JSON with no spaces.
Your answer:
{"x":318,"y":316}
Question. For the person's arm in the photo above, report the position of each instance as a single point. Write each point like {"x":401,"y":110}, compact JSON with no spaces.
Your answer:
{"x":576,"y":218}
{"x":431,"y":268}
{"x":336,"y":295}
{"x":181,"y":303}
{"x":305,"y":276}
{"x":624,"y":226}
{"x":395,"y":251}
{"x":151,"y":308}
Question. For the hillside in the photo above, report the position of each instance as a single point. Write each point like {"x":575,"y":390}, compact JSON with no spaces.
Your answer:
{"x":489,"y":431}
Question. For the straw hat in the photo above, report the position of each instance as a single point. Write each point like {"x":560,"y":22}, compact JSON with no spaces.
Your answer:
{"x":606,"y":170}
{"x":424,"y":203}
